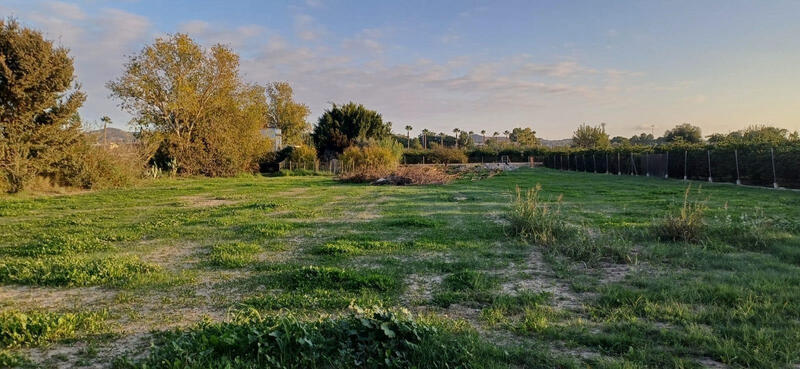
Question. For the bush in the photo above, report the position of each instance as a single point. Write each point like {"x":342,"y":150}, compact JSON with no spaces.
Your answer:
{"x":686,"y":224}
{"x":447,"y":155}
{"x":370,"y":162}
{"x":536,"y":220}
{"x":413,"y":175}
{"x":303,"y":157}
{"x":364,"y":339}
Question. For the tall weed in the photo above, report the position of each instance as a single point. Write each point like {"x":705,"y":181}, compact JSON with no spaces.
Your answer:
{"x":687,"y":224}
{"x":535,"y":219}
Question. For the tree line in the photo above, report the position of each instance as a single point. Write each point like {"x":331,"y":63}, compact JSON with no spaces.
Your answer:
{"x":193,"y":114}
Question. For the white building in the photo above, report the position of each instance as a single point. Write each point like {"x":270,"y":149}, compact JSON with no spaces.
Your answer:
{"x":273,"y":134}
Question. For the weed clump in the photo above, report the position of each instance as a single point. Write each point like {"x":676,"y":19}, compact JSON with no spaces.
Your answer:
{"x":21,"y":329}
{"x":74,"y":271}
{"x":537,"y":220}
{"x":373,"y":338}
{"x":687,"y":224}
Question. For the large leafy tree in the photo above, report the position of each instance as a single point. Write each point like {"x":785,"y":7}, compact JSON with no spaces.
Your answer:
{"x":287,"y":114}
{"x":193,"y":102}
{"x":524,"y":136}
{"x":589,"y":137}
{"x":344,"y":125}
{"x":38,"y":105}
{"x":684,"y":133}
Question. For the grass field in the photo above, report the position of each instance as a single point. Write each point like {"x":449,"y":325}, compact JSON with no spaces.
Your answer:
{"x":307,"y":272}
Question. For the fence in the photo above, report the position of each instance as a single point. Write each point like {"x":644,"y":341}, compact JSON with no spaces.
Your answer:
{"x":757,"y":166}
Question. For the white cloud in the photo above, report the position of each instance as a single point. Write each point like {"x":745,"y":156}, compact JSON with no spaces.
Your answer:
{"x":307,"y":28}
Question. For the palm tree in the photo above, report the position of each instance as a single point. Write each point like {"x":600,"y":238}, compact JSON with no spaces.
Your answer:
{"x":408,"y":136}
{"x":425,"y":138}
{"x":495,"y":134}
{"x":508,"y":134}
{"x":483,"y":132}
{"x":441,"y":138}
{"x":455,"y":133}
{"x":106,"y":121}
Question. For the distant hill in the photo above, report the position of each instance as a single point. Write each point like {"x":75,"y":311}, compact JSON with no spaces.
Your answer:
{"x":556,"y":143}
{"x":115,"y":135}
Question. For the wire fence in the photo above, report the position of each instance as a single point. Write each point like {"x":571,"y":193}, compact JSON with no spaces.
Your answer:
{"x":765,"y":166}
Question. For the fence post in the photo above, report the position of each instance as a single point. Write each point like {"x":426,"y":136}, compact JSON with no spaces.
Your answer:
{"x":633,"y":165}
{"x":685,"y":163}
{"x":666,"y":171}
{"x":608,"y":171}
{"x":619,"y":167}
{"x":708,"y":152}
{"x":594,"y":164}
{"x":736,"y":157}
{"x":774,"y":176}
{"x":647,"y":164}
{"x":584,"y":163}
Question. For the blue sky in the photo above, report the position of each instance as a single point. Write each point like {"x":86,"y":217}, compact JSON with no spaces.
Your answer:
{"x":550,"y":65}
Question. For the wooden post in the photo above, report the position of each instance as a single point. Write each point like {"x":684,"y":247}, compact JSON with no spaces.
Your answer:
{"x":685,"y":161}
{"x":774,"y":176}
{"x":708,"y":152}
{"x":736,"y":157}
{"x":619,"y":165}
{"x":666,"y":170}
{"x":594,"y":163}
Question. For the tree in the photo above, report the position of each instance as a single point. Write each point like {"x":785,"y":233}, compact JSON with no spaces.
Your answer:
{"x":589,"y":137}
{"x":106,"y":121}
{"x":425,"y":133}
{"x":643,"y":139}
{"x":284,"y":113}
{"x":524,"y":136}
{"x":345,"y":125}
{"x":193,"y":102}
{"x":483,"y":133}
{"x":408,"y":136}
{"x":39,"y":123}
{"x":455,"y":134}
{"x":684,"y":133}
{"x":508,"y":134}
{"x":441,"y":138}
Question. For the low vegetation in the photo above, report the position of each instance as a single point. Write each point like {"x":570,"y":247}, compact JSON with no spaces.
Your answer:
{"x":206,"y":269}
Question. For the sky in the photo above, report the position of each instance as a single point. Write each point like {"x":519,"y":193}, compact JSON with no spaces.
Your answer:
{"x":638,"y":66}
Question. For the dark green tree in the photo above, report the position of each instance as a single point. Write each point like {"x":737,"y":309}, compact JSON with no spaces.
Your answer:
{"x":684,"y":133}
{"x":38,"y":105}
{"x":345,"y":125}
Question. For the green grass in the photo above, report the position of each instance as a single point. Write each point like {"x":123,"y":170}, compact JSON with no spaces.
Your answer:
{"x":233,"y":254}
{"x":609,"y":292}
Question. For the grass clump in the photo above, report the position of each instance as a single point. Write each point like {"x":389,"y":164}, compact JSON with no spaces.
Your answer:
{"x":537,"y":220}
{"x":362,"y":339}
{"x":74,"y":271}
{"x":289,"y":277}
{"x":314,"y":299}
{"x":354,"y":247}
{"x":59,"y":243}
{"x":687,"y":224}
{"x":465,"y":285}
{"x":233,"y":254}
{"x":20,"y":329}
{"x":413,"y":222}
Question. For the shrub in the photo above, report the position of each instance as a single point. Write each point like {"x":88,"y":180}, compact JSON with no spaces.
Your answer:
{"x":447,"y":155}
{"x":303,"y":157}
{"x":686,"y":224}
{"x":533,"y":219}
{"x":365,"y":339}
{"x":370,"y":162}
